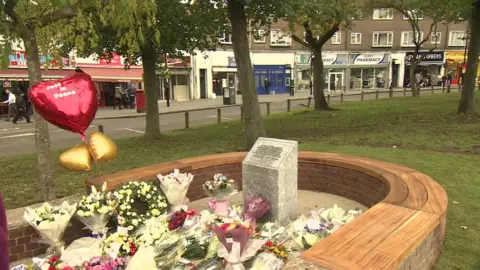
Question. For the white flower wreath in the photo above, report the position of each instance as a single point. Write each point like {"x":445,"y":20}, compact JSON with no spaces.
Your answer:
{"x":131,"y":192}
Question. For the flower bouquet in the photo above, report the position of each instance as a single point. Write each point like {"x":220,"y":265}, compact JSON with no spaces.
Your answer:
{"x":273,"y":231}
{"x":54,"y":263}
{"x":119,"y":244}
{"x":274,"y":255}
{"x":105,"y":263}
{"x":219,"y":189}
{"x":235,"y":244}
{"x":51,"y":222}
{"x":254,"y":207}
{"x":163,"y":254}
{"x":95,"y":210}
{"x":177,"y":220}
{"x":175,"y":186}
{"x":153,"y":231}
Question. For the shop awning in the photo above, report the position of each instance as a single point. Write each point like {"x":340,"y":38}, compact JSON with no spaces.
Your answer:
{"x":16,"y":74}
{"x":114,"y":74}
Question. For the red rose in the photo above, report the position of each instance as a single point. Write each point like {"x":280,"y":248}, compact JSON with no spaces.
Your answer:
{"x":67,"y":268}
{"x":54,"y":259}
{"x":51,"y":267}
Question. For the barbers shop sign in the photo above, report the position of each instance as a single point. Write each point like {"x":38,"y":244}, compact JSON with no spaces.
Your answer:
{"x":431,"y":57}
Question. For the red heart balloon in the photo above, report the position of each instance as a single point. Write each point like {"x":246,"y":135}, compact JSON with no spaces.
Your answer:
{"x":70,"y":103}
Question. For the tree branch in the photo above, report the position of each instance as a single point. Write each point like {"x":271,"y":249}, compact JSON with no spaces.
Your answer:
{"x":9,"y":9}
{"x":323,"y":39}
{"x":309,"y":36}
{"x":10,"y":25}
{"x":56,"y":15}
{"x":299,"y":40}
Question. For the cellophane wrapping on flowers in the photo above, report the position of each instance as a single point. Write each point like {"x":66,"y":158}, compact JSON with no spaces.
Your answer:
{"x":51,"y":222}
{"x":305,"y":232}
{"x":175,"y":186}
{"x":95,"y":210}
{"x":254,"y":207}
{"x":220,"y":187}
{"x":267,"y":261}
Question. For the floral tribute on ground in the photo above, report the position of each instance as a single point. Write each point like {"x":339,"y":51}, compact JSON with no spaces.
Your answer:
{"x":148,"y":226}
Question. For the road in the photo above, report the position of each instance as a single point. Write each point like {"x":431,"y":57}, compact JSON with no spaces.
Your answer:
{"x":17,"y":139}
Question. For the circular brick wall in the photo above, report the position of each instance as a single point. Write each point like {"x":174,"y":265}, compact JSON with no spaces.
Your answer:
{"x":345,"y":182}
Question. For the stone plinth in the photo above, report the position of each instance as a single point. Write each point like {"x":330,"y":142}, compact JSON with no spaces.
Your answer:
{"x":270,"y":170}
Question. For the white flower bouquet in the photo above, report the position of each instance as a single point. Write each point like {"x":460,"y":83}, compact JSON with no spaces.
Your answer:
{"x":175,"y":186}
{"x":305,"y":232}
{"x":152,"y":231}
{"x":273,"y":231}
{"x":95,"y":210}
{"x":51,"y":222}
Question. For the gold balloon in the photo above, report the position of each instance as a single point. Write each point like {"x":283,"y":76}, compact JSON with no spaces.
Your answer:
{"x":102,"y":148}
{"x":77,"y":159}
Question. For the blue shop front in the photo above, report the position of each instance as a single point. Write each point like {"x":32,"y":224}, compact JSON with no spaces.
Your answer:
{"x":278,"y":75}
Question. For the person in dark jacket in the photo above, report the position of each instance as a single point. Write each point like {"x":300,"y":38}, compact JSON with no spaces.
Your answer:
{"x":21,"y":108}
{"x":4,"y":264}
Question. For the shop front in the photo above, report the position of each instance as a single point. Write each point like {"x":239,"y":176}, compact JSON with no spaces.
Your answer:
{"x":335,"y":67}
{"x":430,"y":68}
{"x":225,"y":77}
{"x":456,"y":65}
{"x":369,"y":70}
{"x":179,"y":84}
{"x":303,"y":72}
{"x":224,"y":72}
{"x":279,"y":77}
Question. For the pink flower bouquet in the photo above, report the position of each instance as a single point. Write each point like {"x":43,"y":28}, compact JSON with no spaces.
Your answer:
{"x":254,"y":208}
{"x":235,"y":244}
{"x":105,"y":263}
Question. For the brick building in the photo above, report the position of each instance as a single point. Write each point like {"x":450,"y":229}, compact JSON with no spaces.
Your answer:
{"x":373,"y":53}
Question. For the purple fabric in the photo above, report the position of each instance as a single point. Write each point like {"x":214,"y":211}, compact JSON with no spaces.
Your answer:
{"x":3,"y":237}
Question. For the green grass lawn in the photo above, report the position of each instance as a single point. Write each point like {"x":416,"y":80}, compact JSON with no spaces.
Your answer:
{"x":428,"y":134}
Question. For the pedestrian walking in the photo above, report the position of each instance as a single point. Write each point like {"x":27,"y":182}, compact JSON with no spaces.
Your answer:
{"x":266,"y":84}
{"x":21,"y":105}
{"x":119,"y":92}
{"x":11,"y":101}
{"x":4,"y":264}
{"x":166,"y":86}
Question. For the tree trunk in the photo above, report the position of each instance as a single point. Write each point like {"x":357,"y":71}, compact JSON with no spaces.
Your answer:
{"x":152,"y":128}
{"x":42,"y":137}
{"x":319,"y":83}
{"x":413,"y":81}
{"x":467,"y":101}
{"x":254,"y":127}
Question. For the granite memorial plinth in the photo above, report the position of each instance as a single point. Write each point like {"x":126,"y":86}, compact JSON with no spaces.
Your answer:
{"x":270,"y":170}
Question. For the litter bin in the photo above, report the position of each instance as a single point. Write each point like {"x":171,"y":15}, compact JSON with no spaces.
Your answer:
{"x":140,"y":100}
{"x":229,"y":96}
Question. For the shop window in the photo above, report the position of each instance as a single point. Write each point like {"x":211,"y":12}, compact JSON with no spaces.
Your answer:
{"x":225,"y":38}
{"x":279,"y":38}
{"x":383,"y":14}
{"x":457,"y":38}
{"x":337,"y":38}
{"x":409,"y":39}
{"x":414,"y":15}
{"x":382,"y":39}
{"x":356,"y":38}
{"x":436,"y":38}
{"x":259,"y":36}
{"x":180,"y":80}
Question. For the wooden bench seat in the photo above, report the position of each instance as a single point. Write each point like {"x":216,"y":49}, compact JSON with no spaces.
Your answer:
{"x":404,"y":228}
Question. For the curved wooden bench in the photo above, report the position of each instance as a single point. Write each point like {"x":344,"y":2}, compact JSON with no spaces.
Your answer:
{"x":403,"y":229}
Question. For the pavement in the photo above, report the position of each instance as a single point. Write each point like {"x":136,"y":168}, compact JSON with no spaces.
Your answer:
{"x":19,"y":138}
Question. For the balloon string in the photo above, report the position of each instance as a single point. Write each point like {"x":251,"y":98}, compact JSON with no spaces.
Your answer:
{"x":100,"y":174}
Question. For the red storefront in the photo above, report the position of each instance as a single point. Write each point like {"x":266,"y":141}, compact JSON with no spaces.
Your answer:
{"x":105,"y":73}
